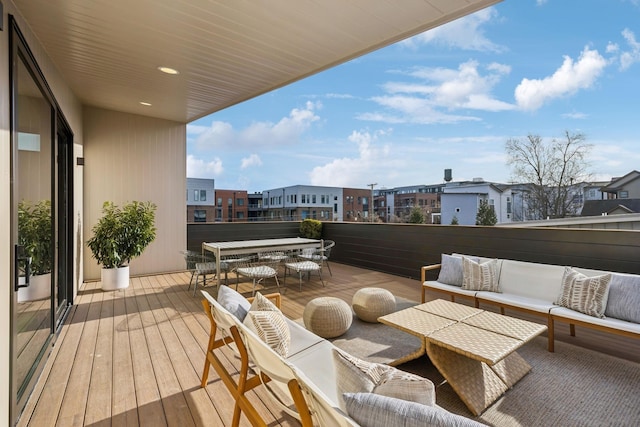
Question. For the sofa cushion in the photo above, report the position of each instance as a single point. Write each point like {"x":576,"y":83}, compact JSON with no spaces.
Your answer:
{"x":624,"y":297}
{"x":233,"y":302}
{"x":585,"y":294}
{"x":268,"y":323}
{"x":355,"y":375}
{"x":373,"y":410}
{"x":451,"y":270}
{"x":480,"y":276}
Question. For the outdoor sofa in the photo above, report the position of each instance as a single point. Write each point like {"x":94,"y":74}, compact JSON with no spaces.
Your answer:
{"x":306,"y":375}
{"x":601,"y":300}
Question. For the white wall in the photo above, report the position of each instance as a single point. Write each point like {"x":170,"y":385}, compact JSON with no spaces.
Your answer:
{"x":130,"y":157}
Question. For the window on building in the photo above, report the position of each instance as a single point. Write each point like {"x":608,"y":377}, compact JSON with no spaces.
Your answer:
{"x":623,"y":194}
{"x":200,"y":215}
{"x":203,"y":195}
{"x":240,"y":215}
{"x":313,"y":198}
{"x":196,"y":195}
{"x":240,"y":202}
{"x":187,"y":195}
{"x":304,"y":198}
{"x":508,"y":206}
{"x":359,"y":200}
{"x":219,"y":201}
{"x":229,"y":201}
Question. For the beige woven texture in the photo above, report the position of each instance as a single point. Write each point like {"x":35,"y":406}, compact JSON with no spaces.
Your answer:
{"x":327,"y":317}
{"x":505,"y":325}
{"x":371,"y":303}
{"x":448,"y":309}
{"x":416,"y":322}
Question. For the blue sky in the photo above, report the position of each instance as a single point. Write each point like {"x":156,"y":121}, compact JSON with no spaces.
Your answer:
{"x":448,"y":98}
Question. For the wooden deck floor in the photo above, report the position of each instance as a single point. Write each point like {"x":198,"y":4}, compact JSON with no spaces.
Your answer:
{"x":134,"y":357}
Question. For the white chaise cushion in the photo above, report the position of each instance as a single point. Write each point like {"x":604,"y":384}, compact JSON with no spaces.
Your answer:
{"x":585,"y":294}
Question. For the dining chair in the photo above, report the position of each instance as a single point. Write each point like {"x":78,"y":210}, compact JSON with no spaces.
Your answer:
{"x":303,"y":265}
{"x":257,"y":268}
{"x":320,"y":254}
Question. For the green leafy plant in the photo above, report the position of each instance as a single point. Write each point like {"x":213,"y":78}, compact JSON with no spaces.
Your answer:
{"x":486,"y":214}
{"x":122,"y":233}
{"x":35,"y":234}
{"x":311,"y":228}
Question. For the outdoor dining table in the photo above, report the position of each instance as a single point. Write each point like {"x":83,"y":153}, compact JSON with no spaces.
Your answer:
{"x":239,"y":247}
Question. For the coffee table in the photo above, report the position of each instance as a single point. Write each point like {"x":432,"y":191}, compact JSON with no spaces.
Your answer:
{"x":474,"y":349}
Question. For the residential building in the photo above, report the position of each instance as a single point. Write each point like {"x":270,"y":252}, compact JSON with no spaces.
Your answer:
{"x":254,"y":208}
{"x":299,"y":202}
{"x":356,"y":204}
{"x":395,"y":204}
{"x":200,"y":200}
{"x":462,"y":199}
{"x":625,"y":187}
{"x":231,"y":206}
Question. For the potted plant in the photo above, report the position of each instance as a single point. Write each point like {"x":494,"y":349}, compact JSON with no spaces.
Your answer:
{"x":35,"y":234}
{"x":119,"y":236}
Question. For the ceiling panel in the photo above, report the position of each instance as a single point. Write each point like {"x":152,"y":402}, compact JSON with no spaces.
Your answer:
{"x":227,"y":51}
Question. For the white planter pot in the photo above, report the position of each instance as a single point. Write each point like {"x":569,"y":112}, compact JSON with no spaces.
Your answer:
{"x":115,"y":278}
{"x":39,"y":288}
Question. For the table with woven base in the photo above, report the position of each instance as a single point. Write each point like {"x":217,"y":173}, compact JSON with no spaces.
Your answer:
{"x":371,"y":303}
{"x":327,"y":317}
{"x":474,"y":350}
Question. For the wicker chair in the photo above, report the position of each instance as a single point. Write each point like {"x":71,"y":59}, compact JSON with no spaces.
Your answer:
{"x":303,"y":265}
{"x":320,"y":254}
{"x":258,"y":268}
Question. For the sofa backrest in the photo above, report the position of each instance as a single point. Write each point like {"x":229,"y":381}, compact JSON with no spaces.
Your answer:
{"x":532,"y":280}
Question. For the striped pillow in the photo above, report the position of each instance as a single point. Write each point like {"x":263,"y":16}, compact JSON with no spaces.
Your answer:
{"x":585,"y":294}
{"x":267,"y":322}
{"x":480,"y":277}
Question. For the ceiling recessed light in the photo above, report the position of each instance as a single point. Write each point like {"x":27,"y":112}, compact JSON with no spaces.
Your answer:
{"x":168,"y":70}
{"x":146,"y":104}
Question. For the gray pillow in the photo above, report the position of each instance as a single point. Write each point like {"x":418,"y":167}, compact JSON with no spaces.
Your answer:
{"x":624,"y":297}
{"x":373,"y":410}
{"x":233,"y":302}
{"x":451,"y":270}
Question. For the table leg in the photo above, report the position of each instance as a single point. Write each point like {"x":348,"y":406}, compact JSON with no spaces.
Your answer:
{"x":477,"y":384}
{"x":415,"y":355}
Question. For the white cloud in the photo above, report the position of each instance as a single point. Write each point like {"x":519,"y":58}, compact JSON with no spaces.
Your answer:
{"x":264,"y":134}
{"x":199,"y":168}
{"x":575,"y":115}
{"x":251,"y":161}
{"x":567,"y":80}
{"x":350,"y":172}
{"x":439,"y":89}
{"x":464,"y":33}
{"x":631,"y":56}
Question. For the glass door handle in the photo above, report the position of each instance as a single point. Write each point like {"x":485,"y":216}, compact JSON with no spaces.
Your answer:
{"x":19,"y":257}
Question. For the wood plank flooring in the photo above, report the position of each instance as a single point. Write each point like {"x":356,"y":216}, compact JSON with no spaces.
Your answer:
{"x":134,"y":357}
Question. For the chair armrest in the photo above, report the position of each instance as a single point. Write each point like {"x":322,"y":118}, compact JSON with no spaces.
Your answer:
{"x":425,"y":268}
{"x":275,"y":298}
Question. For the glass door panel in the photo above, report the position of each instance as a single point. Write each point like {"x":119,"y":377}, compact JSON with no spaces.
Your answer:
{"x":34,"y":250}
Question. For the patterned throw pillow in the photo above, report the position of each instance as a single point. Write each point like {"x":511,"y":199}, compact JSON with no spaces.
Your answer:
{"x":268,"y":323}
{"x":355,"y":376}
{"x":585,"y":294}
{"x":480,"y":277}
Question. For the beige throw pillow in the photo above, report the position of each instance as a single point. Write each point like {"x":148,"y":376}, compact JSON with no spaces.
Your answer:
{"x":268,"y":322}
{"x":585,"y":294}
{"x":480,"y":277}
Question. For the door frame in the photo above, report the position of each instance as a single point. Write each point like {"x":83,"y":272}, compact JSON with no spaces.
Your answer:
{"x":19,"y":51}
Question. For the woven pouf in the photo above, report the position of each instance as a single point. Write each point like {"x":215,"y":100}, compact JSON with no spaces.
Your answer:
{"x":327,"y":317}
{"x":371,"y":303}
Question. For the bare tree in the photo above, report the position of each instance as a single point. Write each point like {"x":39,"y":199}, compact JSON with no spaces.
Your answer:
{"x":552,"y":169}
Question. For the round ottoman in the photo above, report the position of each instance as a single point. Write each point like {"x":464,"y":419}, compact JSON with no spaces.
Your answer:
{"x":327,"y":317}
{"x":371,"y":303}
